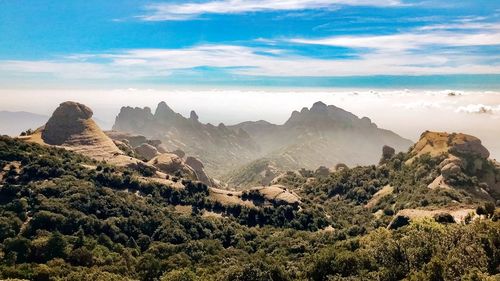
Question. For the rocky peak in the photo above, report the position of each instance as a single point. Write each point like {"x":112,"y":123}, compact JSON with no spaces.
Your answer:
{"x":68,"y":120}
{"x":319,"y":107}
{"x":322,"y":115}
{"x":163,"y":111}
{"x":193,"y":116}
{"x":72,"y":111}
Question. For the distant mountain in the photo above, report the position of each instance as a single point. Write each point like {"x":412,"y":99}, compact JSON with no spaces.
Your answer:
{"x":218,"y":147}
{"x":12,"y":123}
{"x":322,"y":135}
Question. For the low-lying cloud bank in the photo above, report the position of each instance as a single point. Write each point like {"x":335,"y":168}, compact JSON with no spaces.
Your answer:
{"x":407,"y":112}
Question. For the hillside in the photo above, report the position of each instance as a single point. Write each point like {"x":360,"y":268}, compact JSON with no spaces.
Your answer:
{"x":320,"y":136}
{"x":68,"y":217}
{"x":216,"y":146}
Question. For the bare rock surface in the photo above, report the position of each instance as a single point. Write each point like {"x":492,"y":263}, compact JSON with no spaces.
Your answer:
{"x":147,"y":151}
{"x":172,"y":164}
{"x":199,"y":170}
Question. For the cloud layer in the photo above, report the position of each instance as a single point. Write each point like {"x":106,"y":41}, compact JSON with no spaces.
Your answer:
{"x":190,"y":10}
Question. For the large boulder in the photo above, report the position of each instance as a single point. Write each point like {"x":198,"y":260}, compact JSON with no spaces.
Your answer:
{"x":172,"y":164}
{"x":463,"y":144}
{"x":451,"y":170}
{"x":146,"y":151}
{"x":179,"y":153}
{"x":436,"y":143}
{"x":199,"y":170}
{"x":388,"y":152}
{"x":68,"y":120}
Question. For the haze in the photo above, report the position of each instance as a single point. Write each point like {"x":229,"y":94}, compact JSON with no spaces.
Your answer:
{"x":407,"y":112}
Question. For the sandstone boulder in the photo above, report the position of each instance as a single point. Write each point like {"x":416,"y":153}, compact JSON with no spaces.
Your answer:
{"x":450,"y":170}
{"x":179,"y":153}
{"x":199,"y":170}
{"x":436,"y":143}
{"x":172,"y":164}
{"x":146,"y":151}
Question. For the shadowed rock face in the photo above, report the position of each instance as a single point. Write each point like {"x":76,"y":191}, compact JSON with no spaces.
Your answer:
{"x":68,"y":123}
{"x":217,"y":146}
{"x":199,"y":170}
{"x":322,"y":135}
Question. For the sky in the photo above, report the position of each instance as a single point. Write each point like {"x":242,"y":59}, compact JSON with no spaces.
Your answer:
{"x":250,"y":43}
{"x":395,"y":61}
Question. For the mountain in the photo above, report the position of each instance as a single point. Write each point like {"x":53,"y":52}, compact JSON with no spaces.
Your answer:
{"x":71,"y":127}
{"x":218,"y":147}
{"x":13,"y":123}
{"x":65,"y":216}
{"x":320,"y":136}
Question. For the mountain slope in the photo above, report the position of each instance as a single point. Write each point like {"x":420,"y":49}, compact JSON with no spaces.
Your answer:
{"x":13,"y":123}
{"x":323,"y":136}
{"x":63,"y":218}
{"x":216,"y":146}
{"x":320,"y":136}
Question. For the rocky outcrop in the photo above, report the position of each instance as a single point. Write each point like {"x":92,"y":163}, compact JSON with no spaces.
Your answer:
{"x":179,"y":153}
{"x":144,"y":147}
{"x":71,"y":127}
{"x":388,"y":152}
{"x":146,"y":151}
{"x":261,"y":196}
{"x":436,"y":143}
{"x":466,"y":164}
{"x":217,"y":147}
{"x":199,"y":170}
{"x":172,"y":164}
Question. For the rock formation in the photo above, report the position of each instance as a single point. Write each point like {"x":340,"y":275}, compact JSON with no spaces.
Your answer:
{"x":146,"y":151}
{"x":322,"y":135}
{"x":172,"y":164}
{"x":199,"y":170}
{"x":436,"y":143}
{"x":466,"y":158}
{"x":218,"y":147}
{"x":71,"y":127}
{"x":388,"y":152}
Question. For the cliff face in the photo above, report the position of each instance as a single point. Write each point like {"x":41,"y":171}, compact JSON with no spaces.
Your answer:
{"x":322,"y":135}
{"x":71,"y":125}
{"x":466,"y":163}
{"x":218,"y":147}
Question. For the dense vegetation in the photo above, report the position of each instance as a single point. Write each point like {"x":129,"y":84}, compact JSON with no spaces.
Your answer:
{"x":67,"y":217}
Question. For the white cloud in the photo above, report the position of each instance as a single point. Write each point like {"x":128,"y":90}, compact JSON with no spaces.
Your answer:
{"x":478,"y":109}
{"x":255,"y":61}
{"x":189,"y":10}
{"x":409,"y":41}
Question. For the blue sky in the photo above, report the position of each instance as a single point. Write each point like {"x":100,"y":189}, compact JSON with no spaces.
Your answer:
{"x":252,"y":43}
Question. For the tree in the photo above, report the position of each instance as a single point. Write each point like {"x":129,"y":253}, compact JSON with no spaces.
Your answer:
{"x":56,"y":246}
{"x":179,"y":275}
